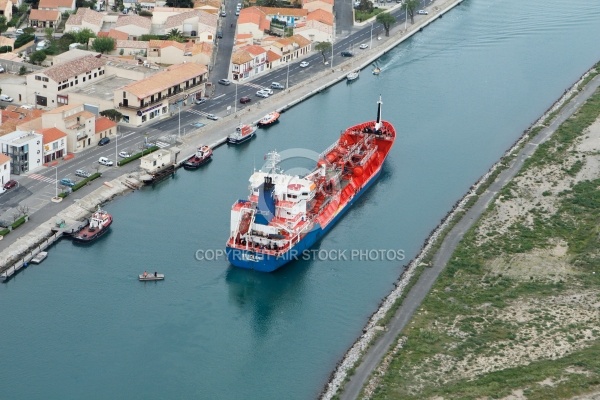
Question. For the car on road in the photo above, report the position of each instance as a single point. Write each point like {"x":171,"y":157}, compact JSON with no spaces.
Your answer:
{"x":103,"y":141}
{"x":19,"y":31}
{"x":225,"y":82}
{"x":262,"y":93}
{"x":1,"y":70}
{"x":67,"y":182}
{"x":10,"y":184}
{"x":304,"y":64}
{"x":220,"y":34}
{"x":82,"y":173}
{"x":347,"y":54}
{"x":223,"y":14}
{"x":237,"y":12}
{"x":267,"y":90}
{"x":212,"y":116}
{"x":200,"y":101}
{"x":245,"y":99}
{"x":277,"y":85}
{"x":4,"y":97}
{"x":422,"y":12}
{"x":124,"y":154}
{"x":105,"y":161}
{"x":363,"y":46}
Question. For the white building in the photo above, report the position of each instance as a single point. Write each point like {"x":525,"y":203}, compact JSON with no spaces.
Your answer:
{"x":25,"y":150}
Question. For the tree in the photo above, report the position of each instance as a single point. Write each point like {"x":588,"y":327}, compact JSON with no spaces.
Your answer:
{"x":112,"y":114}
{"x":175,"y":34}
{"x":48,"y":33}
{"x":22,"y":70}
{"x":324,"y":48}
{"x":3,"y":25}
{"x":366,"y":6}
{"x":37,"y":57}
{"x":29,"y":30}
{"x":410,"y":6}
{"x":83,"y":36}
{"x":103,"y":44}
{"x":386,"y":19}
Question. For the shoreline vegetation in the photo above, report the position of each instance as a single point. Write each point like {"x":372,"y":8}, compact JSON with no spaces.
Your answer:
{"x":460,"y":340}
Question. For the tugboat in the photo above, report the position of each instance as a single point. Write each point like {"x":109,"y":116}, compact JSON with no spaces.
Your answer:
{"x":203,"y":155}
{"x":284,"y":215}
{"x":269,"y":119}
{"x":242,"y":134}
{"x":99,"y":224}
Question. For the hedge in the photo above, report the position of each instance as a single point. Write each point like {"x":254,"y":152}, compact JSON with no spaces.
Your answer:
{"x":4,"y":232}
{"x":5,"y":49}
{"x":137,"y":155}
{"x":84,"y":182}
{"x":23,"y":39}
{"x":18,"y":222}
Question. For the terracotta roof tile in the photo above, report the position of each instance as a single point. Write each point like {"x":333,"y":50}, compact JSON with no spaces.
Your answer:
{"x":88,"y":15}
{"x":272,"y":56}
{"x":69,"y":69}
{"x":203,"y":18}
{"x":56,"y":3}
{"x":296,"y":12}
{"x":255,"y":50}
{"x":321,"y":16}
{"x":131,"y":44}
{"x":161,"y":44}
{"x":4,"y":158}
{"x":163,"y":80}
{"x":300,"y":40}
{"x":52,"y":134}
{"x":136,"y":20}
{"x":44,"y":15}
{"x":241,"y":57}
{"x":104,"y":123}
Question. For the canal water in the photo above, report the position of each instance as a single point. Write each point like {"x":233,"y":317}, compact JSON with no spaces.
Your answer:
{"x":460,"y":93}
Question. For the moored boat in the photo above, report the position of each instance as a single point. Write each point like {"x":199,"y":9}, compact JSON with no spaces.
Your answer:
{"x":352,"y":76}
{"x":242,"y":134}
{"x":269,"y":119}
{"x":376,"y":71}
{"x":285,"y":215}
{"x":203,"y":155}
{"x":98,"y":225}
{"x":151,"y":277}
{"x":39,"y":257}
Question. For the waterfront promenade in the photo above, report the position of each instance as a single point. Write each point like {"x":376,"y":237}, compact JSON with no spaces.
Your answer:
{"x":19,"y":244}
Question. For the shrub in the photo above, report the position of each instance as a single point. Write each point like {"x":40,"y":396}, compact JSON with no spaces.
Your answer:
{"x":4,"y":232}
{"x":23,"y":39}
{"x":137,"y":155}
{"x":5,"y":49}
{"x":145,"y":13}
{"x":84,"y":182}
{"x":18,"y":222}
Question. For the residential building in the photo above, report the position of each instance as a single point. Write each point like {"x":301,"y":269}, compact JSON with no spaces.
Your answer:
{"x":195,"y":23}
{"x":55,"y":144}
{"x":4,"y":169}
{"x":248,"y":62}
{"x":318,"y":27}
{"x":134,"y":25}
{"x":130,"y":48}
{"x":115,"y":34}
{"x":312,"y":5}
{"x":85,"y":18}
{"x":46,"y":85}
{"x":78,"y":124}
{"x":14,"y":118}
{"x":24,"y":149}
{"x":44,"y":18}
{"x":60,"y":5}
{"x":6,"y":9}
{"x":153,"y":97}
{"x":105,"y":128}
{"x":171,"y":52}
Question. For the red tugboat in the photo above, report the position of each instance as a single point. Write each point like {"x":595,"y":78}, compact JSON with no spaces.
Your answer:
{"x":269,"y":119}
{"x":203,"y":155}
{"x":99,"y":223}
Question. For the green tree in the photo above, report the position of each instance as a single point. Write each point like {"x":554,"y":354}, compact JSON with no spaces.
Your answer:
{"x":411,"y":6}
{"x":324,"y":48}
{"x":175,"y":34}
{"x":103,"y":44}
{"x":22,"y":70}
{"x":83,"y":36}
{"x":3,"y":25}
{"x":112,"y":114}
{"x":23,"y":8}
{"x":48,"y":33}
{"x":37,"y":57}
{"x":366,"y":6}
{"x":386,"y":19}
{"x":29,"y":30}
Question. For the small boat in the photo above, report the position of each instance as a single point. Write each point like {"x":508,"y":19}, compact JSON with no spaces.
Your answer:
{"x":203,"y":155}
{"x":41,"y":256}
{"x":98,"y":226}
{"x":269,"y":119}
{"x":151,"y":277}
{"x":242,"y":134}
{"x":376,"y":71}
{"x":352,"y":76}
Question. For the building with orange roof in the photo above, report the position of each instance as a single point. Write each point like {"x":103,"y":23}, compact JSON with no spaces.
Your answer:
{"x":84,"y":18}
{"x":55,"y":144}
{"x":24,"y":148}
{"x":4,"y":169}
{"x":210,"y":6}
{"x":134,"y":25}
{"x":105,"y":127}
{"x":150,"y":98}
{"x":76,"y":122}
{"x":6,"y":9}
{"x":44,"y":18}
{"x":115,"y":34}
{"x":59,"y":5}
{"x":14,"y":118}
{"x":312,"y":5}
{"x":172,"y":52}
{"x":318,"y":28}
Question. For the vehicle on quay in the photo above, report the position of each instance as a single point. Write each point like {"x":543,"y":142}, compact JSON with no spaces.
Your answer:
{"x":82,"y":173}
{"x":203,"y":156}
{"x":284,"y":214}
{"x":269,"y":119}
{"x":422,"y":12}
{"x":67,"y":182}
{"x":363,"y":46}
{"x":97,"y":226}
{"x":242,"y":134}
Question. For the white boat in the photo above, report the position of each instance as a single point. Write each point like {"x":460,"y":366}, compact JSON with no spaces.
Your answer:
{"x":151,"y":277}
{"x":39,"y":257}
{"x":376,"y":71}
{"x":353,"y":75}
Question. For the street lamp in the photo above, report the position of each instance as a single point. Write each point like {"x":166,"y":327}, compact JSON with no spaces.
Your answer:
{"x":332,"y":54}
{"x":56,"y":181}
{"x":235,"y":100}
{"x":179,"y":117}
{"x":117,"y":146}
{"x":405,"y":17}
{"x":371,"y":44}
{"x":287,"y":78}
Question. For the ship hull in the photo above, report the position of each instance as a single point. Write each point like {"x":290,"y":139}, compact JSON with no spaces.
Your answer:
{"x":242,"y":140}
{"x":90,"y":238}
{"x":191,"y":165}
{"x":262,"y":262}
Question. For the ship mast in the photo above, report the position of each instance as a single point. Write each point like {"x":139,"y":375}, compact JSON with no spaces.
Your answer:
{"x":378,"y":122}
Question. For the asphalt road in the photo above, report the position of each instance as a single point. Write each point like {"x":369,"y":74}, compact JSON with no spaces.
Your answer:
{"x":415,"y":296}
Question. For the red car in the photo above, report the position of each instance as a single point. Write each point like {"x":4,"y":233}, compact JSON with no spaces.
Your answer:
{"x":245,"y":99}
{"x":10,"y":184}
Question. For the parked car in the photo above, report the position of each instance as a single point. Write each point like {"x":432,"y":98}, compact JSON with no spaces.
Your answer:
{"x":245,"y":99}
{"x":267,"y":90}
{"x":67,"y":182}
{"x":363,"y":46}
{"x":225,"y":82}
{"x":105,"y":161}
{"x":262,"y":93}
{"x":277,"y":85}
{"x":304,"y":64}
{"x":19,"y":31}
{"x":4,"y":97}
{"x":27,"y":107}
{"x":422,"y":12}
{"x":10,"y":184}
{"x":237,"y":12}
{"x":347,"y":54}
{"x":82,"y":173}
{"x":124,"y":154}
{"x":223,"y":14}
{"x":212,"y":116}
{"x":220,"y":34}
{"x":200,"y":101}
{"x":1,"y":70}
{"x":103,"y":141}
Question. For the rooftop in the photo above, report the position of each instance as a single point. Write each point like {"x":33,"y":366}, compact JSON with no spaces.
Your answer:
{"x":205,"y":18}
{"x":56,"y":3}
{"x":103,"y":89}
{"x":19,"y":137}
{"x":4,"y":158}
{"x":70,"y":69}
{"x":136,"y":20}
{"x":163,"y":80}
{"x":88,"y":15}
{"x":104,"y":123}
{"x":131,"y":44}
{"x":322,"y":16}
{"x":44,"y":15}
{"x":52,"y":134}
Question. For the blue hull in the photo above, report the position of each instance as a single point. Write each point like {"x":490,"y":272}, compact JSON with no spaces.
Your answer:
{"x":257,"y":261}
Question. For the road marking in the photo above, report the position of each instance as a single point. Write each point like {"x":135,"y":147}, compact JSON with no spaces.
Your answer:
{"x":43,"y":178}
{"x":219,"y":96}
{"x":254,"y":85}
{"x":162,"y":145}
{"x":204,"y":114}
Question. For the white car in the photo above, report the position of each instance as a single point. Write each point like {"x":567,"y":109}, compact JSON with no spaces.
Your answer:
{"x":105,"y":161}
{"x":212,"y":116}
{"x":262,"y":93}
{"x":422,"y":12}
{"x":27,"y":107}
{"x":304,"y":64}
{"x":4,"y":97}
{"x":363,"y":46}
{"x":124,"y":154}
{"x":19,"y":31}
